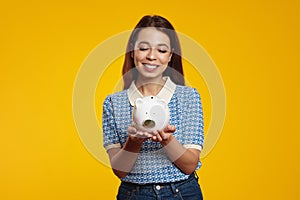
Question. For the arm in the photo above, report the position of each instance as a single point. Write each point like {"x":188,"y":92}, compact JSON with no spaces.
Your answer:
{"x":185,"y":159}
{"x":123,"y":159}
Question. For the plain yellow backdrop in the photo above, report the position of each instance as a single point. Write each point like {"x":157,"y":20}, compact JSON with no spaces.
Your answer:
{"x":255,"y":45}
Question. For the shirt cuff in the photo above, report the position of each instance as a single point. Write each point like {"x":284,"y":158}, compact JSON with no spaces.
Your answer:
{"x":111,"y":146}
{"x":193,"y":146}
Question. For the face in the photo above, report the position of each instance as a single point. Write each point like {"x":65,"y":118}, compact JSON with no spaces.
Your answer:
{"x":152,"y":53}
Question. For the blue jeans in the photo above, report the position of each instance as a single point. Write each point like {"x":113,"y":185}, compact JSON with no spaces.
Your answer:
{"x":188,"y":189}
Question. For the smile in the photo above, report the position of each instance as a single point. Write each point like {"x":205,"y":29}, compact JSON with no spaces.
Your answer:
{"x":150,"y":66}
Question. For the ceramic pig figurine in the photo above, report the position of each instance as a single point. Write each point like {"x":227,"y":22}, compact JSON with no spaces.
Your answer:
{"x":150,"y":114}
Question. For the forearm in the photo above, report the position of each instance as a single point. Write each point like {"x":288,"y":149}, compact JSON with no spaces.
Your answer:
{"x":123,"y":160}
{"x":185,"y":159}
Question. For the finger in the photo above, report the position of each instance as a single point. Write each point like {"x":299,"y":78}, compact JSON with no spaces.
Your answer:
{"x":154,"y":132}
{"x":165,"y":136}
{"x":148,"y":135}
{"x":131,"y":130}
{"x":159,"y":139}
{"x":144,"y":134}
{"x":139,"y":134}
{"x":154,"y":139}
{"x":170,"y":128}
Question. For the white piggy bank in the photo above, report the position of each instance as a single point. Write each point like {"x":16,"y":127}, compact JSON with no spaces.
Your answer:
{"x":150,"y":114}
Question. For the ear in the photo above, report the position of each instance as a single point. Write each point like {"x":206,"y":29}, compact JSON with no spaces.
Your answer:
{"x":171,"y":54}
{"x":131,"y":54}
{"x":131,"y":50}
{"x":138,"y":102}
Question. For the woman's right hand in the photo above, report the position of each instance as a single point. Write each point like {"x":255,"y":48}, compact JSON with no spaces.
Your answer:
{"x":123,"y":159}
{"x":136,"y":134}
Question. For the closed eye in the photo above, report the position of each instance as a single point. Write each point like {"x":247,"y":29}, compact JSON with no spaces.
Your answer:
{"x":143,"y":48}
{"x":162,"y":51}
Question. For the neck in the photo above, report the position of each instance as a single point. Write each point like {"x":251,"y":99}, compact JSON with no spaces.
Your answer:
{"x":150,"y":87}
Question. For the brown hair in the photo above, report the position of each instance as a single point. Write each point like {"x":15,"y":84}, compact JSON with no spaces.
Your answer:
{"x":174,"y":71}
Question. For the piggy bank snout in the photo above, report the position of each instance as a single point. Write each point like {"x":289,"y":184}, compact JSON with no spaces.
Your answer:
{"x":148,"y":123}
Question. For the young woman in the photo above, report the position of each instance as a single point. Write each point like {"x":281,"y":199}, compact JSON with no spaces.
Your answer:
{"x":159,"y":164}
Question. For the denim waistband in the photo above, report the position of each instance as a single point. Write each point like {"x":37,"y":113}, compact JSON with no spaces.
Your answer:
{"x":172,"y":185}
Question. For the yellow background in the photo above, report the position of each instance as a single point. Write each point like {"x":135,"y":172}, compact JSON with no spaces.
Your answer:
{"x":255,"y":45}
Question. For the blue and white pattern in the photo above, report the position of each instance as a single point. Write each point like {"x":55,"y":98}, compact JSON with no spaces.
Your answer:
{"x":152,"y":164}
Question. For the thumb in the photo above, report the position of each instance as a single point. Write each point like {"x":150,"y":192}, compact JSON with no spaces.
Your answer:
{"x":131,"y":130}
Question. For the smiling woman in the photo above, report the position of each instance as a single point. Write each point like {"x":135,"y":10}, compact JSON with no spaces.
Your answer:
{"x":151,"y":56}
{"x":158,"y":163}
{"x":161,"y":39}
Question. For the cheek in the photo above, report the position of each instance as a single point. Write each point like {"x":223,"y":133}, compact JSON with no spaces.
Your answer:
{"x":138,"y":60}
{"x":138,"y":56}
{"x":164,"y":59}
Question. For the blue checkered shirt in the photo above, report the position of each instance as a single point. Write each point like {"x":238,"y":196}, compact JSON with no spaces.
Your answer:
{"x":152,"y":164}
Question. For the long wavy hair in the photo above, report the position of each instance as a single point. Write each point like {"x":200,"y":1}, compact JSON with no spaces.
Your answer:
{"x":174,"y":70}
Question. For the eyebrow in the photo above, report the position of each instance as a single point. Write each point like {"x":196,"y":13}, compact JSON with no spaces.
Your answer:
{"x":161,"y":44}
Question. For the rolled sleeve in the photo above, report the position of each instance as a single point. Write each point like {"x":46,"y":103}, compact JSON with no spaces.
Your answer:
{"x":193,"y":121}
{"x":110,"y":136}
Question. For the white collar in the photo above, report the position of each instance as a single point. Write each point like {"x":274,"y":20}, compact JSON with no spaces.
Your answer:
{"x":165,"y":93}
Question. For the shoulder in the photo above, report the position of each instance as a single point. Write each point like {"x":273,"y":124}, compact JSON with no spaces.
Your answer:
{"x":186,"y":95}
{"x":116,"y":98}
{"x":117,"y":95}
{"x":185,"y":91}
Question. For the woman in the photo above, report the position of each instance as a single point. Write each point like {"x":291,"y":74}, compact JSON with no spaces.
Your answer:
{"x":159,"y":164}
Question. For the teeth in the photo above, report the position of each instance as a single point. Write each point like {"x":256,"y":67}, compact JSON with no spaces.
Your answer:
{"x":150,"y":66}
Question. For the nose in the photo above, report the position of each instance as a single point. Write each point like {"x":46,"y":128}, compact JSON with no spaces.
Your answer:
{"x":151,"y":55}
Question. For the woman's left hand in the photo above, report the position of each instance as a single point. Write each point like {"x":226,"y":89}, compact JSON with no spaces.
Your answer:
{"x":185,"y":159}
{"x":165,"y":135}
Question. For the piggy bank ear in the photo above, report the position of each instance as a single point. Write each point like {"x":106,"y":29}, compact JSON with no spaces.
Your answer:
{"x":162,"y":102}
{"x":138,"y":102}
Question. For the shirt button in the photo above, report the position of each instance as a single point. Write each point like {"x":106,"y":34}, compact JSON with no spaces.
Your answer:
{"x":157,"y":187}
{"x":177,"y":190}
